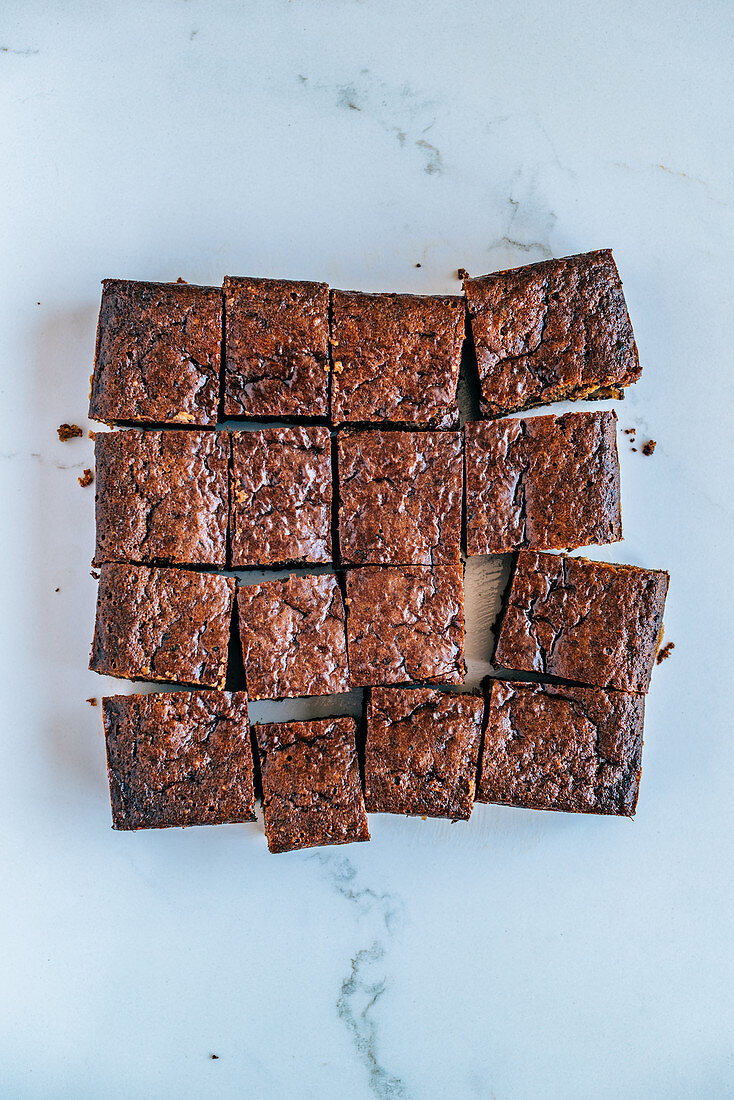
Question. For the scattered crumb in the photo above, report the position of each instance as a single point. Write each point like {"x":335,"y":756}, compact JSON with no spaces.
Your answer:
{"x":214,"y":1057}
{"x":57,"y":589}
{"x":665,"y":652}
{"x":633,"y":448}
{"x":94,"y":574}
{"x":630,"y":431}
{"x":180,"y":280}
{"x":418,"y":265}
{"x":92,"y":701}
{"x":38,"y":303}
{"x":462,"y":273}
{"x":86,"y":479}
{"x":68,"y":431}
{"x":91,"y":434}
{"x":649,"y":447}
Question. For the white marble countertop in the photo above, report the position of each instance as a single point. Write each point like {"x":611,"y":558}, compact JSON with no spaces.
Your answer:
{"x":376,"y":145}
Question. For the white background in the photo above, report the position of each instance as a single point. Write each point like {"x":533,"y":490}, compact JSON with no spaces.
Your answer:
{"x":520,"y":954}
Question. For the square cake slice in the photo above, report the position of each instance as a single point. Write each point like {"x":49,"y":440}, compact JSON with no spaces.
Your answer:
{"x":395,"y":358}
{"x":544,"y":483}
{"x":158,"y":354}
{"x":551,"y":331}
{"x":293,"y":639}
{"x":280,"y":509}
{"x":583,"y":620}
{"x":562,"y":748}
{"x":179,"y":758}
{"x":312,"y":793}
{"x":421,"y":751}
{"x":405,"y":623}
{"x":169,"y":625}
{"x":162,"y":497}
{"x":276,"y":348}
{"x":400,"y":497}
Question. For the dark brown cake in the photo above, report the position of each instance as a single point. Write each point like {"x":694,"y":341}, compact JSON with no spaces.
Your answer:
{"x":400,"y":497}
{"x":311,"y":786}
{"x":545,"y":483}
{"x":293,"y":640}
{"x":421,"y":752}
{"x":162,"y":624}
{"x":549,"y":331}
{"x":162,"y":497}
{"x":405,"y":623}
{"x":280,"y":511}
{"x":562,"y":748}
{"x":583,"y":620}
{"x":179,"y":758}
{"x":158,"y":354}
{"x":276,"y":339}
{"x":395,"y":358}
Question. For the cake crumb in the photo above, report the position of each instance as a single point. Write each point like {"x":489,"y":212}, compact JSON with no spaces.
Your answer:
{"x":630,"y":431}
{"x":665,"y":652}
{"x":180,"y":280}
{"x":68,"y":431}
{"x":418,"y":265}
{"x":94,"y":574}
{"x":92,"y":701}
{"x":649,"y":447}
{"x":91,"y":434}
{"x":214,"y":1057}
{"x":86,"y":479}
{"x":462,"y":273}
{"x":57,"y":589}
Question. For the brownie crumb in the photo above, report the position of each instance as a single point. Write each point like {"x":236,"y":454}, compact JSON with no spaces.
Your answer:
{"x":665,"y":652}
{"x":94,"y":573}
{"x":180,"y":280}
{"x":462,"y":273}
{"x":86,"y":479}
{"x":214,"y":1057}
{"x":419,"y":265}
{"x":92,"y":435}
{"x":634,"y":449}
{"x":92,"y":701}
{"x":630,"y":431}
{"x":68,"y":431}
{"x":649,"y":447}
{"x":57,"y":590}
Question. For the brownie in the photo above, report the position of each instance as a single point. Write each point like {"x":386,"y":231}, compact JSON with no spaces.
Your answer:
{"x":546,"y":483}
{"x":158,"y":354}
{"x":280,"y":510}
{"x":162,"y":497}
{"x":562,"y":748}
{"x":162,"y":624}
{"x":179,"y":758}
{"x":276,"y":348}
{"x":400,"y":497}
{"x":405,"y":623}
{"x":421,"y":752}
{"x":583,"y":620}
{"x":553,"y":330}
{"x":395,"y":358}
{"x":311,"y":787}
{"x":293,"y":639}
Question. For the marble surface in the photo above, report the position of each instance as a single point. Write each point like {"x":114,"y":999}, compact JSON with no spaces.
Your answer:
{"x":377,"y":145}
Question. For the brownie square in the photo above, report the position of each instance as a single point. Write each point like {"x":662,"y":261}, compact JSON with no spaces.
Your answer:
{"x":400,"y":497}
{"x":276,"y":348}
{"x":549,"y":331}
{"x":562,"y":748}
{"x":311,"y":787}
{"x":280,"y":511}
{"x":162,"y":497}
{"x":395,"y":358}
{"x":583,"y":620}
{"x":179,"y":758}
{"x":421,"y":752}
{"x":158,"y":354}
{"x":545,"y":483}
{"x":293,"y":639}
{"x":162,"y":624}
{"x":405,"y":624}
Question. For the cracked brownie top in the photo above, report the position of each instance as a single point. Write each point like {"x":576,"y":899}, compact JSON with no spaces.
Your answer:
{"x":546,"y":483}
{"x":562,"y":748}
{"x":162,"y":497}
{"x":280,"y":509}
{"x":551,"y":330}
{"x":395,"y":358}
{"x":583,"y":620}
{"x":405,"y":623}
{"x":293,"y":640}
{"x":276,"y":335}
{"x":158,"y":353}
{"x":179,"y":758}
{"x":400,"y":497}
{"x":162,"y":624}
{"x":312,"y":793}
{"x":421,"y":751}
